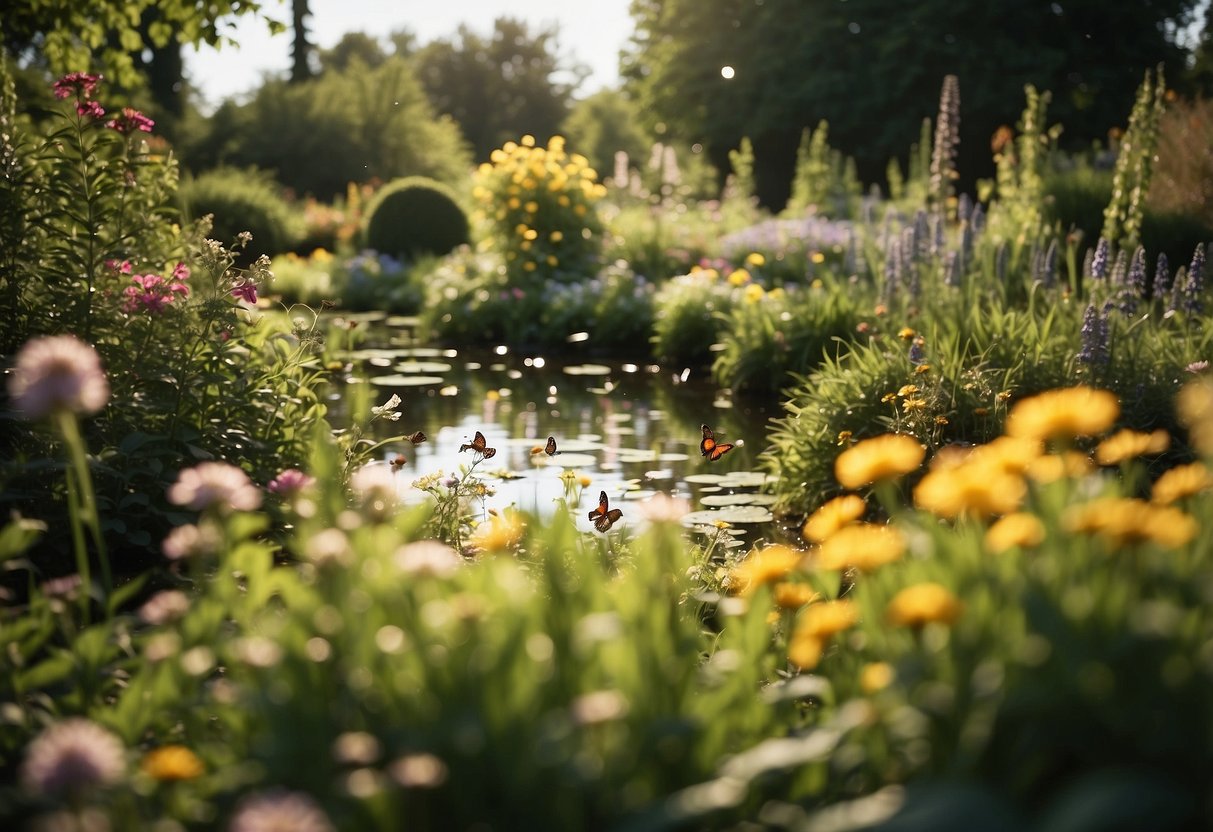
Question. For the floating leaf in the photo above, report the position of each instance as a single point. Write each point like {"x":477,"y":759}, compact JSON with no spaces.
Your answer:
{"x":402,"y":320}
{"x":728,"y":499}
{"x":587,"y":370}
{"x":430,"y":367}
{"x":744,"y":479}
{"x":707,"y":479}
{"x":734,"y":514}
{"x":403,"y":380}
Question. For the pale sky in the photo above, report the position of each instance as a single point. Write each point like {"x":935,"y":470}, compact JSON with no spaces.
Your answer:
{"x":591,"y":31}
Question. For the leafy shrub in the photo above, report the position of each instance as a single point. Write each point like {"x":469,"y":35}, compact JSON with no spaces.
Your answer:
{"x":689,"y":314}
{"x":413,"y":216}
{"x":538,"y":206}
{"x":240,"y":201}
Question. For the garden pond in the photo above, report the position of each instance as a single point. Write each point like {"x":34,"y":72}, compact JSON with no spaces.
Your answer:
{"x":630,"y":429}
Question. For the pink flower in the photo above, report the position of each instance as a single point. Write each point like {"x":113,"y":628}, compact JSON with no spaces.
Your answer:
{"x":80,"y":84}
{"x":165,"y":606}
{"x":119,"y":267}
{"x":246,"y":291}
{"x":55,"y":373}
{"x":181,"y":272}
{"x":278,"y":810}
{"x":188,"y":540}
{"x":214,"y":484}
{"x":92,"y":109}
{"x":130,"y":120}
{"x":152,"y":292}
{"x":70,"y":756}
{"x":290,"y":482}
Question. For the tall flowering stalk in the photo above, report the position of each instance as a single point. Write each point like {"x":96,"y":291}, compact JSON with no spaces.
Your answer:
{"x":943,"y":156}
{"x":1135,"y":163}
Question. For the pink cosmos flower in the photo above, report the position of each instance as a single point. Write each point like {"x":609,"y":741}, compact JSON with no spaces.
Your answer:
{"x":215,"y":484}
{"x":130,"y":120}
{"x":279,"y":810}
{"x":246,"y":291}
{"x":70,"y":756}
{"x":80,"y":84}
{"x":290,"y":482}
{"x":54,"y":373}
{"x":92,"y":109}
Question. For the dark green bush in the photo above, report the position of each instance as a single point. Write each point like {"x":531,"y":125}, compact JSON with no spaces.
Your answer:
{"x":243,"y":200}
{"x":413,"y":216}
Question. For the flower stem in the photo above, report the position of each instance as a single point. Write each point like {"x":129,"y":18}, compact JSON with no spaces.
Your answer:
{"x":84,"y":502}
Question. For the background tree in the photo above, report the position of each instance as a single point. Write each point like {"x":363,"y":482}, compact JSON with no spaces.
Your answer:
{"x":500,"y":87}
{"x":602,"y":124}
{"x":301,"y":47}
{"x":873,"y":69}
{"x":353,"y":46}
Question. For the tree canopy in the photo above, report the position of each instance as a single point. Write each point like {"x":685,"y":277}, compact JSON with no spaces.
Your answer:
{"x":873,"y":70}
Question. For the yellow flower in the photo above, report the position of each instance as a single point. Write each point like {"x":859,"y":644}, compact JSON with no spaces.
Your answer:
{"x":1064,"y":414}
{"x":754,"y":259}
{"x":1181,"y":481}
{"x":172,"y":762}
{"x":865,"y":546}
{"x":792,"y":596}
{"x":832,"y":516}
{"x":817,"y":624}
{"x":753,"y":293}
{"x":844,"y":436}
{"x":1128,"y":444}
{"x":805,"y":652}
{"x":556,"y":236}
{"x":1125,"y":520}
{"x":906,"y":333}
{"x":817,"y":257}
{"x":880,"y":458}
{"x":1018,"y":529}
{"x":739,"y":277}
{"x":1195,"y":407}
{"x":502,"y":532}
{"x":321,"y":255}
{"x":911,"y":405}
{"x":876,"y":676}
{"x":1052,"y":467}
{"x":907,"y":390}
{"x":921,"y":604}
{"x":971,"y":488}
{"x":763,"y":566}
{"x":922,"y":368}
{"x":584,"y":480}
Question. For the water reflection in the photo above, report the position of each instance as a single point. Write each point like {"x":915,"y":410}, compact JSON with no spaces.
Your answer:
{"x":627,"y":429}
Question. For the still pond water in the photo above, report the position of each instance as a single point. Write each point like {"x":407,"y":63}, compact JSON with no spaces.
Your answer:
{"x":632,"y":429}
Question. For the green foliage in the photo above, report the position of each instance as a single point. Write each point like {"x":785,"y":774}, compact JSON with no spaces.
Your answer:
{"x":689,"y":316}
{"x":741,"y":186}
{"x":604,"y":124}
{"x":500,"y":87}
{"x":371,"y":280}
{"x":243,"y":201}
{"x":317,"y":136}
{"x":415,"y":215}
{"x":823,"y":179}
{"x":1135,"y":164}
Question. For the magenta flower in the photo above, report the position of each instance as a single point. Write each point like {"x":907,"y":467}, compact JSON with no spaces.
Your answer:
{"x":92,"y":109}
{"x":55,"y":373}
{"x":130,"y":120}
{"x":290,"y":482}
{"x":80,"y":84}
{"x":119,"y":266}
{"x":246,"y":291}
{"x":214,"y":484}
{"x":70,"y":756}
{"x":279,"y":810}
{"x":152,"y":292}
{"x":181,"y":272}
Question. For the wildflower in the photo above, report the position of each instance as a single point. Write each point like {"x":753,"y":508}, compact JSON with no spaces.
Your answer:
{"x":739,"y":277}
{"x":793,"y":596}
{"x":152,"y":293}
{"x":1126,"y":520}
{"x":972,"y":487}
{"x":753,"y":293}
{"x":214,"y":484}
{"x":906,"y":333}
{"x":864,"y":546}
{"x":1064,"y":413}
{"x":246,"y":291}
{"x":832,"y":516}
{"x":1181,"y":481}
{"x":597,"y":707}
{"x":1190,"y":292}
{"x":921,"y":604}
{"x":844,"y":437}
{"x":1162,"y":277}
{"x":763,"y":566}
{"x":754,"y":259}
{"x":429,"y":558}
{"x":290,"y":482}
{"x":418,"y":771}
{"x":818,"y":624}
{"x":876,"y":676}
{"x":907,"y":390}
{"x":1094,"y":335}
{"x":881,"y":458}
{"x":1195,"y":407}
{"x":1052,"y":467}
{"x":503,"y":531}
{"x":1128,"y":444}
{"x":57,"y":373}
{"x":1018,"y":529}
{"x":584,"y":480}
{"x":163,"y":607}
{"x":90,"y":109}
{"x":1197,"y":367}
{"x":130,"y":120}
{"x":913,"y":405}
{"x":66,"y":587}
{"x":172,"y":762}
{"x":189,"y":541}
{"x":1099,"y":263}
{"x":375,"y":488}
{"x":662,"y":508}
{"x":917,"y":354}
{"x":329,"y":546}
{"x":387,"y":410}
{"x":80,"y":84}
{"x":70,"y":756}
{"x":278,"y":810}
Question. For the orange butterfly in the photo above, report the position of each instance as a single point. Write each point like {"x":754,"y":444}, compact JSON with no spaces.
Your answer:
{"x":417,"y":438}
{"x":398,"y":462}
{"x":709,"y":447}
{"x":478,"y":445}
{"x":604,"y":519}
{"x":550,"y":447}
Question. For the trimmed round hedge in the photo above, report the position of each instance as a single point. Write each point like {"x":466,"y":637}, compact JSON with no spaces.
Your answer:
{"x":414,"y":216}
{"x":243,"y":200}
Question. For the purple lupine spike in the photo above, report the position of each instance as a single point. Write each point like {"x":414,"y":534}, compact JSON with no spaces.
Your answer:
{"x":1133,"y":286}
{"x":1094,"y":349}
{"x":1162,"y":277}
{"x":1190,"y":299}
{"x":1120,"y":269}
{"x":1175,"y":301}
{"x":1099,"y":262}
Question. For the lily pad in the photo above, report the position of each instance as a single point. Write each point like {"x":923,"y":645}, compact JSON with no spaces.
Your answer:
{"x":744,"y":479}
{"x":587,"y":370}
{"x":430,"y":367}
{"x":733,"y":514}
{"x":672,"y":457}
{"x":571,"y":460}
{"x":728,"y":499}
{"x":403,"y":380}
{"x":704,"y":479}
{"x":402,"y":320}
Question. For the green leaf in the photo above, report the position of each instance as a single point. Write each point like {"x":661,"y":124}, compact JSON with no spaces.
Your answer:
{"x":19,"y":535}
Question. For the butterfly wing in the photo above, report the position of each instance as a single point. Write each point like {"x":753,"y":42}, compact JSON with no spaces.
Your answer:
{"x":489,"y":453}
{"x":720,"y":450}
{"x":417,"y":438}
{"x":604,"y":523}
{"x":601,"y":511}
{"x":708,"y":443}
{"x":550,"y":448}
{"x":478,"y":442}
